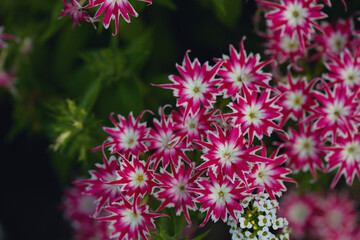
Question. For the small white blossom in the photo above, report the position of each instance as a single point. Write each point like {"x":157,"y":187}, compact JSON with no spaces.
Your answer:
{"x":237,"y":235}
{"x":264,"y":221}
{"x":250,"y":235}
{"x":284,"y":236}
{"x":244,"y":223}
{"x":264,"y":234}
{"x":278,"y":223}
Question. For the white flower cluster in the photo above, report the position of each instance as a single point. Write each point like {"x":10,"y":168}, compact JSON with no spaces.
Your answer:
{"x":258,"y":220}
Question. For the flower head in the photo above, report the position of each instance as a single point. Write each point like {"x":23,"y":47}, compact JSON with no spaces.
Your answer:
{"x":241,"y":69}
{"x":295,"y":18}
{"x":75,"y":11}
{"x":113,"y":9}
{"x":196,"y":86}
{"x":130,"y":221}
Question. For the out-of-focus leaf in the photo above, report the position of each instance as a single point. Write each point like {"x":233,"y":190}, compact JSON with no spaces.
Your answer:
{"x":228,"y":11}
{"x":201,"y":236}
{"x":91,"y":94}
{"x":54,"y":23}
{"x":220,"y":6}
{"x":167,"y":3}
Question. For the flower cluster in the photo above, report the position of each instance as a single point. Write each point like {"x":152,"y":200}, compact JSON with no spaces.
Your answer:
{"x":259,"y":220}
{"x":159,"y":161}
{"x":111,"y":9}
{"x":209,"y":153}
{"x":318,"y":216}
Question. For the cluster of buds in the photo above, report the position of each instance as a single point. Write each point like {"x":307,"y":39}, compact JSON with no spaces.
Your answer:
{"x":259,"y":220}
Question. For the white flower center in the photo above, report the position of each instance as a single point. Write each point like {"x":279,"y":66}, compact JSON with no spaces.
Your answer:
{"x":262,"y":174}
{"x":130,"y":138}
{"x":351,"y":152}
{"x":336,"y":110}
{"x":131,"y":218}
{"x":299,"y":212}
{"x":253,"y":114}
{"x":288,"y":44}
{"x":138,"y":178}
{"x":304,"y":147}
{"x":227,"y":153}
{"x":351,"y":76}
{"x":241,"y":76}
{"x":195,"y":88}
{"x":220,"y":194}
{"x":337,"y":42}
{"x":295,"y":14}
{"x":295,"y":100}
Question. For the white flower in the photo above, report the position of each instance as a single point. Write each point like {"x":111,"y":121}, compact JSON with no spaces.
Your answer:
{"x":264,"y":221}
{"x":237,"y":235}
{"x":244,"y":223}
{"x":250,"y":235}
{"x":245,"y":202}
{"x":284,"y":236}
{"x":264,"y":234}
{"x":278,"y":223}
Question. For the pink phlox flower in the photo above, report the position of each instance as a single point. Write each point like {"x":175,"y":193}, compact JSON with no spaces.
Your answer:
{"x":344,"y":69}
{"x":344,"y":155}
{"x":299,"y":211}
{"x":130,"y":220}
{"x":4,"y":37}
{"x":113,"y":9}
{"x":270,"y":176}
{"x":335,"y":38}
{"x":169,"y":146}
{"x":255,"y":114}
{"x":336,"y":111}
{"x":296,"y":98}
{"x":295,"y":18}
{"x":304,"y":148}
{"x":98,"y":186}
{"x":75,"y":11}
{"x":175,"y":189}
{"x":193,"y":126}
{"x":127,"y":137}
{"x":197,"y":85}
{"x":282,"y":47}
{"x":8,"y":80}
{"x":241,"y":69}
{"x":219,"y":196}
{"x":134,"y":177}
{"x":336,"y":213}
{"x":227,"y":153}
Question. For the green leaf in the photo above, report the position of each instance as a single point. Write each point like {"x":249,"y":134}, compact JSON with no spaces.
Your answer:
{"x":201,"y":236}
{"x":220,"y":5}
{"x":167,"y":3}
{"x":55,"y":23}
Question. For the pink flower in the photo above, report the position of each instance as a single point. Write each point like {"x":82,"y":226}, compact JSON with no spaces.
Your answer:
{"x":270,"y":176}
{"x":227,"y":153}
{"x":196,"y":86}
{"x":240,"y":69}
{"x":336,"y":214}
{"x":344,"y":155}
{"x":344,"y":69}
{"x":113,"y":9}
{"x":4,"y":37}
{"x":75,"y":11}
{"x":295,"y":18}
{"x":296,"y":98}
{"x":127,"y":136}
{"x":175,"y":189}
{"x":193,"y":126}
{"x":299,"y":211}
{"x":7,"y":80}
{"x":281,"y":48}
{"x":130,"y":221}
{"x":335,"y":38}
{"x":134,"y":177}
{"x":337,"y":111}
{"x":97,"y":185}
{"x":304,"y":149}
{"x":219,"y":196}
{"x":168,"y":146}
{"x":255,"y":114}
